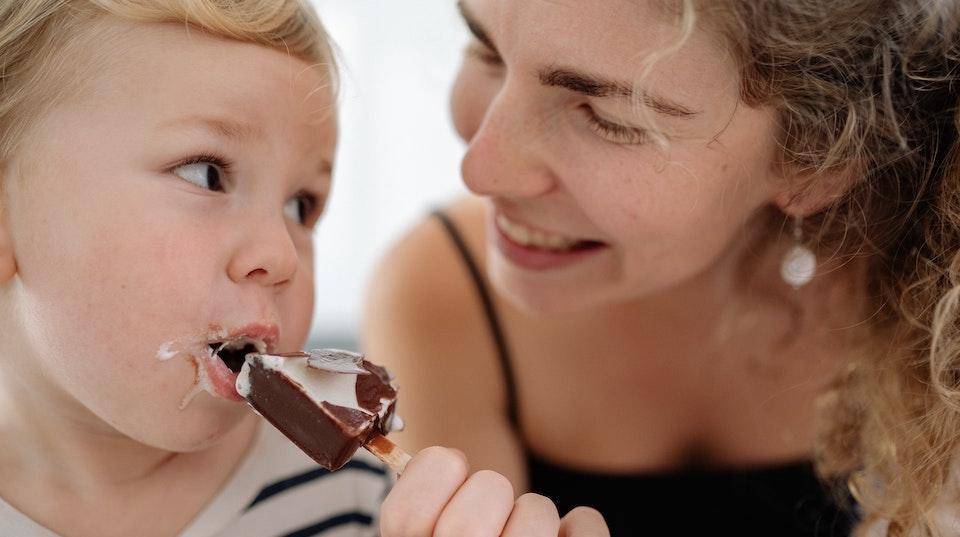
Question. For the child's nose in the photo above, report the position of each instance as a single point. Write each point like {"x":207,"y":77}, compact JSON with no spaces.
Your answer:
{"x":267,"y":255}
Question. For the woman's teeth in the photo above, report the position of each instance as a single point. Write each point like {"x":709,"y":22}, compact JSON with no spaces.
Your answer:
{"x":525,"y":236}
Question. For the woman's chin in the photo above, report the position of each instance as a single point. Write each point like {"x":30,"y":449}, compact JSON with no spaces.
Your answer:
{"x":534,"y":296}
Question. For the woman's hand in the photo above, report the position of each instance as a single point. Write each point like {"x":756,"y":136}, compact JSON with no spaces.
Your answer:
{"x":437,"y":497}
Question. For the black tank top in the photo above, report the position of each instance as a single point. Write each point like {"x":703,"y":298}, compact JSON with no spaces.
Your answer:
{"x":770,"y":501}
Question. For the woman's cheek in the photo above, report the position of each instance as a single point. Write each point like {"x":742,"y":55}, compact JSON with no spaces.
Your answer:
{"x":472,"y":93}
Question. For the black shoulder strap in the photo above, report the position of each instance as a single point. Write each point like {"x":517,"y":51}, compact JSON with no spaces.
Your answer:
{"x":493,"y":321}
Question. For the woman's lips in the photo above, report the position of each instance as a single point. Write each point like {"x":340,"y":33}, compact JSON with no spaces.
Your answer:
{"x":535,"y":250}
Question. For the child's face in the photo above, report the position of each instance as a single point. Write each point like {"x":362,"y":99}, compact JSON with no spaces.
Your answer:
{"x":170,"y":200}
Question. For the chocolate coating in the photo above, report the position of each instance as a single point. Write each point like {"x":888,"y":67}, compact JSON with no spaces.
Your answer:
{"x":374,"y":389}
{"x":330,"y":434}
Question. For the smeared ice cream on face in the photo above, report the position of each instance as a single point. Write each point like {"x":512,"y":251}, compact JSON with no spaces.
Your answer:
{"x":195,"y":352}
{"x":327,"y":402}
{"x":211,"y":374}
{"x":190,"y":345}
{"x":167,"y":351}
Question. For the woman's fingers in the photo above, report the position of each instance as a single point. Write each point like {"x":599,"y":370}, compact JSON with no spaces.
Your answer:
{"x":583,"y":522}
{"x":533,"y":516}
{"x":479,"y":509}
{"x":419,"y":497}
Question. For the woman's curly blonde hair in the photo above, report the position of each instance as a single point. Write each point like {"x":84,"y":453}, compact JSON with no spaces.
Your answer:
{"x":866,"y":93}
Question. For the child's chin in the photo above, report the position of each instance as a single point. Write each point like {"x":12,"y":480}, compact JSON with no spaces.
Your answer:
{"x":201,"y":425}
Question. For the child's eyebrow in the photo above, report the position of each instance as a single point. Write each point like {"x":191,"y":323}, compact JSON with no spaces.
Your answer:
{"x":220,"y":127}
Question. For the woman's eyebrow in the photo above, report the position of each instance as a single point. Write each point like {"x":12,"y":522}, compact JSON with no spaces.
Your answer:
{"x":590,"y":85}
{"x":475,"y":27}
{"x":596,"y":86}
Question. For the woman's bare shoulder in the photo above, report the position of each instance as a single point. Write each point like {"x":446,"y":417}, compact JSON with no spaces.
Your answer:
{"x":422,"y":307}
{"x":423,"y":276}
{"x":424,"y":320}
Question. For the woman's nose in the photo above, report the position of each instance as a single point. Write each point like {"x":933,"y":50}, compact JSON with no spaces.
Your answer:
{"x":507,"y":156}
{"x":267,"y":255}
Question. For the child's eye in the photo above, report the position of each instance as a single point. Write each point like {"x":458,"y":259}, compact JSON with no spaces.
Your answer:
{"x":301,"y":208}
{"x":205,"y":172}
{"x":613,"y":132}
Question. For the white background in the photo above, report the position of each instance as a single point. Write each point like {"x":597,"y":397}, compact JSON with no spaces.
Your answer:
{"x":398,"y":155}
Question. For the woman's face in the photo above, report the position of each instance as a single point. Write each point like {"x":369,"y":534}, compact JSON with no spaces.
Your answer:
{"x":170,"y":200}
{"x":585,"y":207}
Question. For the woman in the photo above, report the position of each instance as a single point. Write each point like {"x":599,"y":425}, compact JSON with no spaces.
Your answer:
{"x":699,"y":222}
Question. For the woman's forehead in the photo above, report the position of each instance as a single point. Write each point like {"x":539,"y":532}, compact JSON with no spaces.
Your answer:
{"x":576,"y":20}
{"x":621,"y":43}
{"x":618,"y":33}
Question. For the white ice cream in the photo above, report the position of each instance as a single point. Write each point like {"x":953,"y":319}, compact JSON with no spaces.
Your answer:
{"x":195,"y":351}
{"x":336,"y":388}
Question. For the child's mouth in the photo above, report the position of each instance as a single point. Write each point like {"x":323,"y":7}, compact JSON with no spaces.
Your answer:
{"x":219,"y":356}
{"x":222,"y":359}
{"x":234,"y":353}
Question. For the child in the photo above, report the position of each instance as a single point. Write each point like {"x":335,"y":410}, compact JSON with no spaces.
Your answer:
{"x":162,"y":165}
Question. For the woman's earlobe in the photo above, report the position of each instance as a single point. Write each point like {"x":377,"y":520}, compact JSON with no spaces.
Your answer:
{"x":8,"y":261}
{"x":792,"y":204}
{"x":813,"y":196}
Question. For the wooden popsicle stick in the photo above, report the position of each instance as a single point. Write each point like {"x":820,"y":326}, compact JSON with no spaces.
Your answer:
{"x":391,"y":454}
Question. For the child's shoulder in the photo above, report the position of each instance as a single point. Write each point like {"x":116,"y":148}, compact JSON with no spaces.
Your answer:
{"x":14,"y":522}
{"x":277,"y":490}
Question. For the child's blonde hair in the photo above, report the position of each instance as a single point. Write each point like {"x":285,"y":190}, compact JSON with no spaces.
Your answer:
{"x":866,"y":94}
{"x":39,"y":41}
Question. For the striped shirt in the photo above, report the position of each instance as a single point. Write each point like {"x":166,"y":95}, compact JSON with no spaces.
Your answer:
{"x":277,"y":491}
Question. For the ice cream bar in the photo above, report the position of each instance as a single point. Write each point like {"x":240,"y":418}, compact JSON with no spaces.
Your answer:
{"x":327,"y":402}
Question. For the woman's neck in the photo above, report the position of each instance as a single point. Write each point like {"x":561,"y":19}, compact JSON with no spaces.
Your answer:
{"x":742,"y":298}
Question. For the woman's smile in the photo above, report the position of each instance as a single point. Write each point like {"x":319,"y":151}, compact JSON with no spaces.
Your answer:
{"x":535,"y":249}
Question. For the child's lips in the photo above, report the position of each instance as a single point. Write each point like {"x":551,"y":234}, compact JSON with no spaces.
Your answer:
{"x":222,"y":380}
{"x":212,"y":373}
{"x":268,"y":333}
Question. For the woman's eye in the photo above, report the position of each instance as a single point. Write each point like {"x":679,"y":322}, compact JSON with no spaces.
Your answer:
{"x":204,"y":174}
{"x":613,"y":132}
{"x":301,"y":208}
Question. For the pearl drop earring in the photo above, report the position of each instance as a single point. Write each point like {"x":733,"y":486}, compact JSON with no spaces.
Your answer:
{"x":800,"y":263}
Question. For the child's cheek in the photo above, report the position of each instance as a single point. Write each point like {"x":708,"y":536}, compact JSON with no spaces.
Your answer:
{"x":296,"y":310}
